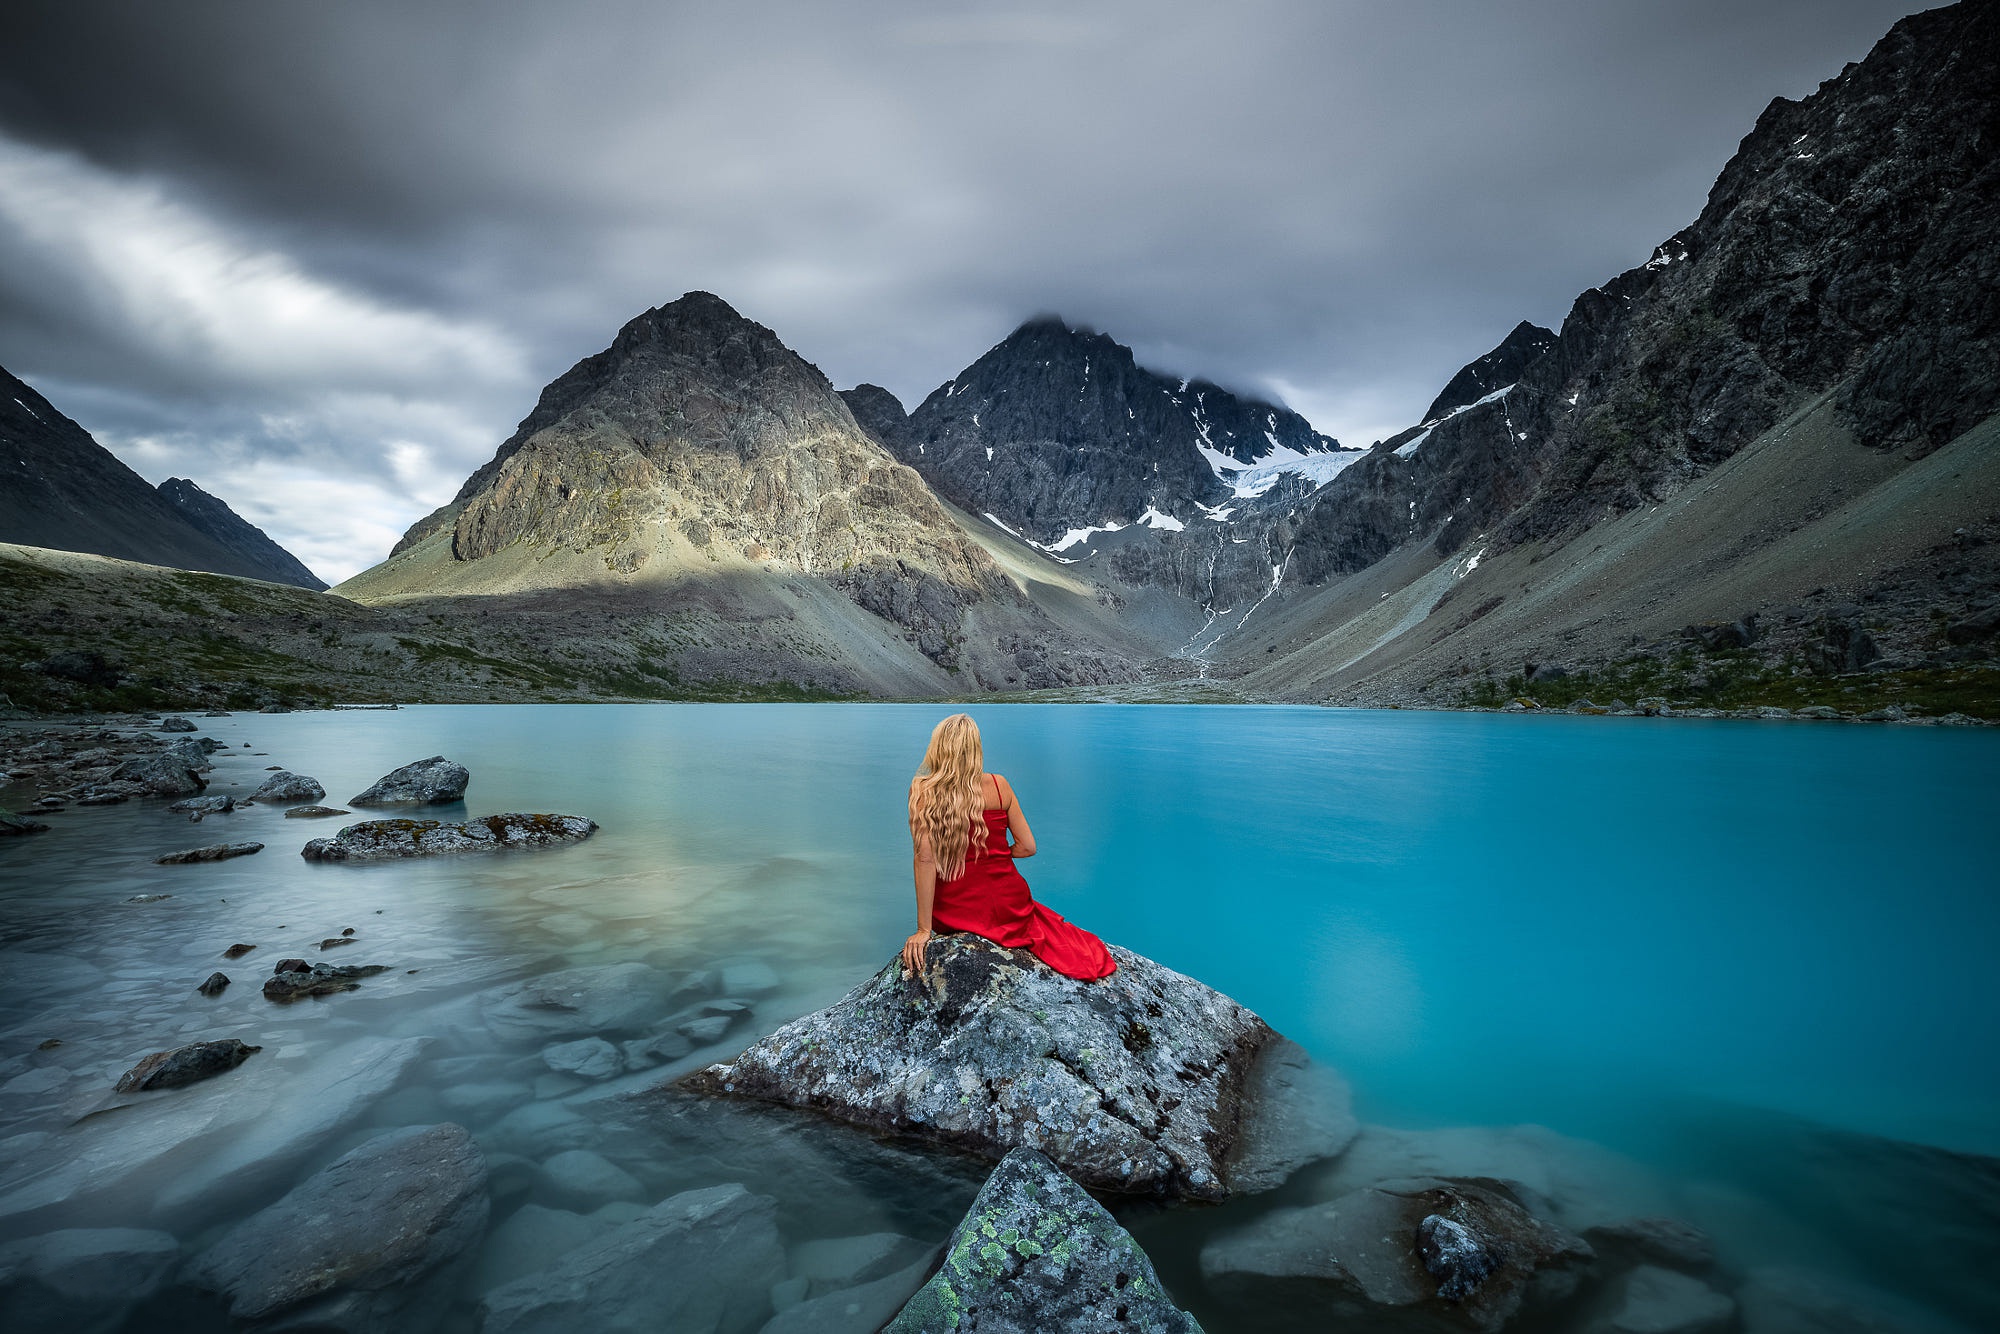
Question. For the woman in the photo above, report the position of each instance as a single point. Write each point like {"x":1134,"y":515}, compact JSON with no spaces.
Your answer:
{"x":960,"y":819}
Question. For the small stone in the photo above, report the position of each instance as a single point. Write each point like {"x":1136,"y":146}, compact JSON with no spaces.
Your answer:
{"x":148,"y":898}
{"x":332,"y":941}
{"x":314,"y":812}
{"x":214,"y":985}
{"x":1453,"y":1256}
{"x":185,"y":1065}
{"x":237,"y":951}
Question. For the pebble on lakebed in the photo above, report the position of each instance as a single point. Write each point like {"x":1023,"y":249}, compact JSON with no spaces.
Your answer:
{"x":1144,"y":1082}
{"x":374,"y":840}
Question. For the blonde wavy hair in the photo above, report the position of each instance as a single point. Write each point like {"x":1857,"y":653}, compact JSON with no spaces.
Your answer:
{"x":948,"y":794}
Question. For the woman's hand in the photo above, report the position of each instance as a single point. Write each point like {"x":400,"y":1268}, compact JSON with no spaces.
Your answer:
{"x":913,"y":952}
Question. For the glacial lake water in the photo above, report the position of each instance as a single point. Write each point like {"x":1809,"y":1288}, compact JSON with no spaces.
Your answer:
{"x":1736,"y":973}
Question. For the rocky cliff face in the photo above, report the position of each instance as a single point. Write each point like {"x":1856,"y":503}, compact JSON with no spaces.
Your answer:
{"x":698,"y":438}
{"x":1058,"y":436}
{"x":1848,"y":250}
{"x":60,"y":489}
{"x":1850,"y":245}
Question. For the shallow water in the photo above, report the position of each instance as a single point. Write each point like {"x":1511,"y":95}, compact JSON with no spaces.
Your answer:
{"x":1725,"y":964}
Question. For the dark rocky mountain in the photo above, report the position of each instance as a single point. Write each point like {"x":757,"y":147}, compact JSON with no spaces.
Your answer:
{"x":1494,"y":371}
{"x":60,"y":489}
{"x":229,"y":529}
{"x":1057,"y":429}
{"x":1852,"y":245}
{"x":699,"y":458}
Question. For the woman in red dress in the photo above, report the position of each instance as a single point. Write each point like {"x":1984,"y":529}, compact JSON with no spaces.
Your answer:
{"x":960,"y":820}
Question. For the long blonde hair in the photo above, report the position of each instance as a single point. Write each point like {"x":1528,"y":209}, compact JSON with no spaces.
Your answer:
{"x":948,"y":794}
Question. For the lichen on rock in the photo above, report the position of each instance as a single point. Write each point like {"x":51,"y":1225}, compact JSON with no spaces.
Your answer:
{"x":1036,"y":1253}
{"x":1135,"y":1083}
{"x":376,"y":840}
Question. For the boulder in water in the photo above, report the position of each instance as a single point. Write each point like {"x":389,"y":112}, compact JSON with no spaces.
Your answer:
{"x":701,"y":1260}
{"x":1431,"y":1245}
{"x":314,"y":812}
{"x":214,"y":852}
{"x":160,"y":775}
{"x":185,"y":1065}
{"x":215,"y":985}
{"x":285,"y":785}
{"x":1035,"y":1252}
{"x":381,"y":840}
{"x":295,"y":979}
{"x":1137,"y":1083}
{"x":14,"y":824}
{"x":352,"y":1246}
{"x":436,"y":781}
{"x":200,"y":806}
{"x":174,"y":723}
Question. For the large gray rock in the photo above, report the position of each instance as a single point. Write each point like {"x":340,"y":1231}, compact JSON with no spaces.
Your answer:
{"x":382,"y":840}
{"x":1376,"y":1253}
{"x":190,"y":752}
{"x":1133,"y":1083}
{"x":700,"y":1261}
{"x":81,"y":1280}
{"x":185,"y":1065}
{"x":352,"y":1247}
{"x":436,"y":781}
{"x":1036,"y":1253}
{"x":159,"y":776}
{"x":285,"y":785}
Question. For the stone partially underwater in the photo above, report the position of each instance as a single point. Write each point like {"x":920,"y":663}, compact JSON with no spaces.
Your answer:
{"x":381,"y":840}
{"x":1146,"y":1082}
{"x":1036,"y":1253}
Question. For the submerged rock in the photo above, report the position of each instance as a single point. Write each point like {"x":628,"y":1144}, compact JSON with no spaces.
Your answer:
{"x":14,"y":824}
{"x":436,"y":781}
{"x":214,"y":852}
{"x":81,"y":1280}
{"x":159,"y":776}
{"x":702,"y":1260}
{"x":1036,"y":1253}
{"x":295,"y":979}
{"x":1463,"y":1245}
{"x":378,"y":840}
{"x":204,"y":806}
{"x":351,"y":1247}
{"x":185,"y":1065}
{"x":1652,"y":1300}
{"x":596,"y":998}
{"x":214,"y":985}
{"x":285,"y":785}
{"x":1134,"y":1083}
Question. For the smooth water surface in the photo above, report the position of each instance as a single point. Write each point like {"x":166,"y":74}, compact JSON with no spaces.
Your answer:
{"x":1701,"y":944}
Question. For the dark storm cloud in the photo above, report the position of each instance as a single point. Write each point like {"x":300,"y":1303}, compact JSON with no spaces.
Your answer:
{"x":290,"y":241}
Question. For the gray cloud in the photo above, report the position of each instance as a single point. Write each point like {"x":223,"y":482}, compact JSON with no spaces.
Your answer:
{"x":282,"y":245}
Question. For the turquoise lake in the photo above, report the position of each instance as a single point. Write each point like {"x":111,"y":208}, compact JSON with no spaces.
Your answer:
{"x":1751,"y":963}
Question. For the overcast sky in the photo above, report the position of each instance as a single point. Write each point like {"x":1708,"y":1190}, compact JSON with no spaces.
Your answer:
{"x":321,"y":257}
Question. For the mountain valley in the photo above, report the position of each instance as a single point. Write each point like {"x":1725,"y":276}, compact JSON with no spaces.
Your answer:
{"x":1759,"y":468}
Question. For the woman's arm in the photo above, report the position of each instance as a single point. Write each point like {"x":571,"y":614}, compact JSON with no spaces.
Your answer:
{"x":1017,"y":823}
{"x":923,"y":869}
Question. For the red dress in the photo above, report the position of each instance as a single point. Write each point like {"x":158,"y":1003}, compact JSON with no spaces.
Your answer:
{"x":989,"y":898}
